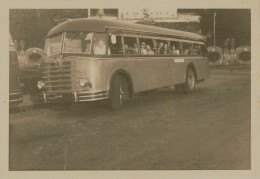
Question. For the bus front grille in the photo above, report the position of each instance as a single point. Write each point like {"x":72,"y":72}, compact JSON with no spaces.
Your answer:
{"x":57,"y":77}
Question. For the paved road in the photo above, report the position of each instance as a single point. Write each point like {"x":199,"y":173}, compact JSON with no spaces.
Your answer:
{"x":209,"y":129}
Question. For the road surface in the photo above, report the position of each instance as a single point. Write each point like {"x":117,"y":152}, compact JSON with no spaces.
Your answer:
{"x":206,"y":130}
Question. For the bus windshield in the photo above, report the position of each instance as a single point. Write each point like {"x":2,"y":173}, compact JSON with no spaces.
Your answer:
{"x":53,"y":45}
{"x":77,"y":42}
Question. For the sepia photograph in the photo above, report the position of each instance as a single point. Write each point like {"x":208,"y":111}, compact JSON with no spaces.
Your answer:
{"x":124,"y":89}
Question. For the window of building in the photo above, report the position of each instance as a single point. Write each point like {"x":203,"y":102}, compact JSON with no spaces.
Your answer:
{"x":115,"y":45}
{"x":175,"y":48}
{"x":162,"y":47}
{"x":146,"y":46}
{"x":131,"y":46}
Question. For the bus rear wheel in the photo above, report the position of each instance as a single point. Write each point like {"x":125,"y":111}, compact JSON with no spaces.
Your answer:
{"x":190,"y":81}
{"x":120,"y":91}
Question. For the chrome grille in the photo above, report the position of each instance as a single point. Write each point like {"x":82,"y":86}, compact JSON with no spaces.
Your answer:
{"x":57,"y":77}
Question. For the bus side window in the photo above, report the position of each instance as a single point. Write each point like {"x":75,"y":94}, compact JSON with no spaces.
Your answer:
{"x":161,"y":47}
{"x":187,"y":48}
{"x":196,"y":49}
{"x":175,"y":48}
{"x":130,"y":46}
{"x":115,"y":47}
{"x":204,"y":50}
{"x":146,"y":46}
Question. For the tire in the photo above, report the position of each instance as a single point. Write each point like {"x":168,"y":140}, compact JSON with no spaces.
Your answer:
{"x":190,"y":81}
{"x":119,"y":91}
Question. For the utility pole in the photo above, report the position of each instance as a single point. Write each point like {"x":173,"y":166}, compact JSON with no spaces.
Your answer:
{"x":214,"y":30}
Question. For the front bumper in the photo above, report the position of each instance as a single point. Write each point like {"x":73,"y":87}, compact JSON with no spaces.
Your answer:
{"x":15,"y":98}
{"x":82,"y":96}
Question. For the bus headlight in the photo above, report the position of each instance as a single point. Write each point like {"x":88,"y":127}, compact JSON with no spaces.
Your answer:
{"x":83,"y":82}
{"x":40,"y":84}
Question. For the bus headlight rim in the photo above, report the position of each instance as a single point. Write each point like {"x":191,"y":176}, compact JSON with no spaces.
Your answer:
{"x":83,"y":82}
{"x":40,"y":84}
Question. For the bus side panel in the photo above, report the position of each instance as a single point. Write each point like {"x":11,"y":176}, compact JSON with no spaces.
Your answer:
{"x":180,"y":64}
{"x":145,"y":73}
{"x":201,"y":65}
{"x":98,"y":71}
{"x":178,"y":70}
{"x":148,"y":72}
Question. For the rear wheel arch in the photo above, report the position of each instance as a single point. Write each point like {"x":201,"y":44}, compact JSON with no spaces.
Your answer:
{"x":192,"y":66}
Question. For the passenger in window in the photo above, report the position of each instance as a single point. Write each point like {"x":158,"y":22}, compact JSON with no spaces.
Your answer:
{"x":149,"y":50}
{"x":127,"y":50}
{"x":186,"y":51}
{"x":174,"y":51}
{"x":191,"y":50}
{"x":143,"y":50}
{"x":160,"y":49}
{"x":165,"y":49}
{"x":132,"y":50}
{"x":87,"y":49}
{"x":100,"y":48}
{"x":135,"y":48}
{"x":196,"y":49}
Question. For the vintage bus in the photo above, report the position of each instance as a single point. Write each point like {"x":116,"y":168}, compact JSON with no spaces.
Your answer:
{"x":94,"y":59}
{"x":15,"y":95}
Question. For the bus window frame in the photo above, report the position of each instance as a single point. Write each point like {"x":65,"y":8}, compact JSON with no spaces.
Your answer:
{"x":137,"y":41}
{"x":152,"y":37}
{"x":199,"y":52}
{"x":91,"y":43}
{"x":62,"y":45}
{"x":149,"y":38}
{"x":92,"y":49}
{"x":186,"y":55}
{"x":108,"y":39}
{"x":167,"y":41}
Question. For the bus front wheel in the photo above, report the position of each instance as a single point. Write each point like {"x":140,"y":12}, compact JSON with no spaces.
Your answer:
{"x":119,"y":92}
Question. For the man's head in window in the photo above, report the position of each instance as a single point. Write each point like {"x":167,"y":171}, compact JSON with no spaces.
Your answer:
{"x":143,"y":45}
{"x":161,"y":45}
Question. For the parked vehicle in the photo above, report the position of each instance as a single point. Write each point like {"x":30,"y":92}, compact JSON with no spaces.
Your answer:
{"x":29,"y":69}
{"x":15,"y":95}
{"x":95,"y":59}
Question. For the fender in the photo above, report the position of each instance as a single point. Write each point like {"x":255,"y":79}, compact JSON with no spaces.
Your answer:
{"x":190,"y":64}
{"x":120,"y":71}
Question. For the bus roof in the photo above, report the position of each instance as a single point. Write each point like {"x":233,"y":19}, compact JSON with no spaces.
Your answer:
{"x":102,"y":25}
